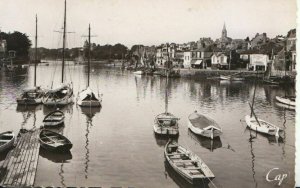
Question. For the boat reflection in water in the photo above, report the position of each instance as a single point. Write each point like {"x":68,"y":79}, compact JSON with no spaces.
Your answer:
{"x":66,"y":109}
{"x":55,"y":156}
{"x":180,"y":181}
{"x":285,"y":106}
{"x":29,"y":108}
{"x":210,"y":144}
{"x":162,"y":140}
{"x":90,"y":113}
{"x":271,"y":139}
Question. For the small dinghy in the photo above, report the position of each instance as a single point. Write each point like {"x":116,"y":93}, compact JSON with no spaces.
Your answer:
{"x":222,"y":77}
{"x":53,"y":141}
{"x":187,"y":164}
{"x":139,"y":72}
{"x":262,"y":126}
{"x":204,"y":126}
{"x":166,"y":124}
{"x":31,"y":96}
{"x":54,"y":119}
{"x":7,"y":140}
{"x":288,"y":100}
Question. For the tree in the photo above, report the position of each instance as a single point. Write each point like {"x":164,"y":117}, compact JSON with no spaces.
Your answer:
{"x":18,"y":42}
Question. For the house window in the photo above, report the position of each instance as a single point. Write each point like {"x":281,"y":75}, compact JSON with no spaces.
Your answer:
{"x":222,"y":59}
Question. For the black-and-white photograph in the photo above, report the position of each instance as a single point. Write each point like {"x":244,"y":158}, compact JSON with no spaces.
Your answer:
{"x":146,"y":94}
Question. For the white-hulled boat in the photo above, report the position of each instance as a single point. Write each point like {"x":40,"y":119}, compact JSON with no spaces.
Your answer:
{"x":63,"y":94}
{"x":139,"y":72}
{"x":237,"y":78}
{"x":31,"y":96}
{"x":7,"y":140}
{"x":288,"y":100}
{"x":187,"y":164}
{"x":222,"y":77}
{"x":87,"y":98}
{"x":263,"y":126}
{"x":54,"y":119}
{"x":166,"y":124}
{"x":60,"y":96}
{"x":204,"y":126}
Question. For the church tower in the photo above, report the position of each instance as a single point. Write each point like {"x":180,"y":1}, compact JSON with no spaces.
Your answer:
{"x":224,"y":32}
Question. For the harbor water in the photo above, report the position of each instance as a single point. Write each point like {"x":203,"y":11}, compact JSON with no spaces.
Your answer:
{"x":116,"y":146}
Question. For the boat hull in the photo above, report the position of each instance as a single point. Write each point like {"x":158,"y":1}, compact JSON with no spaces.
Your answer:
{"x":8,"y":143}
{"x":202,"y":132}
{"x":61,"y":102}
{"x":159,"y":130}
{"x":189,"y":178}
{"x":60,"y":148}
{"x":265,"y":127}
{"x":285,"y":100}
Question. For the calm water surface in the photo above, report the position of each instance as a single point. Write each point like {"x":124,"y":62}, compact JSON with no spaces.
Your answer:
{"x":116,"y":146}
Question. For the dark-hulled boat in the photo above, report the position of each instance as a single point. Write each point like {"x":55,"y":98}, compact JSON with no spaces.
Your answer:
{"x":53,"y":141}
{"x":6,"y":140}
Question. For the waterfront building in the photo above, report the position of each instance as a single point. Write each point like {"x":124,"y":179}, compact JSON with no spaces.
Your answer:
{"x":201,"y":59}
{"x":258,"y":62}
{"x":219,"y":60}
{"x":187,"y":58}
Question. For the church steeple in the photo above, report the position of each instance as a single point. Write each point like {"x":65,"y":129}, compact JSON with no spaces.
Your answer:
{"x":224,"y":31}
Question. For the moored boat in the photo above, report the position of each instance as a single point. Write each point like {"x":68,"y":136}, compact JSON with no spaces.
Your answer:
{"x":139,"y":72}
{"x":7,"y":140}
{"x":187,"y":164}
{"x":288,"y":100}
{"x":204,"y":126}
{"x":262,"y":126}
{"x":222,"y":77}
{"x":54,"y":119}
{"x":166,"y":124}
{"x":59,"y":96}
{"x":53,"y":141}
{"x":87,"y":98}
{"x":31,"y":96}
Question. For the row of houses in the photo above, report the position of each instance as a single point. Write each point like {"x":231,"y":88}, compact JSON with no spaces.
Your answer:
{"x":225,"y":53}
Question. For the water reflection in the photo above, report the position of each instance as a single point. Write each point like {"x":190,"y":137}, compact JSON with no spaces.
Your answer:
{"x":180,"y":181}
{"x":55,"y":157}
{"x":66,"y":109}
{"x":90,"y":113}
{"x":251,"y":140}
{"x":162,"y":140}
{"x":210,"y":144}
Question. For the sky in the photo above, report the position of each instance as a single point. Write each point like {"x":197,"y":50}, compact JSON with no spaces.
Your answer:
{"x":148,"y":22}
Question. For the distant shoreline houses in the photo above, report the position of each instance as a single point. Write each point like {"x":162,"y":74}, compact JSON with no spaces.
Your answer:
{"x":259,"y":53}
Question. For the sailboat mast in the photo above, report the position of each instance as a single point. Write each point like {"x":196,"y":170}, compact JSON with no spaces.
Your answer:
{"x":89,"y":56}
{"x":166,"y":96}
{"x":64,"y":43}
{"x":35,"y":58}
{"x":253,"y":97}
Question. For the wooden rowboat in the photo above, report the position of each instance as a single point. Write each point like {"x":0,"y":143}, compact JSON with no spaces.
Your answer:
{"x":7,"y":140}
{"x":187,"y":164}
{"x":54,"y":119}
{"x":204,"y":126}
{"x":53,"y":141}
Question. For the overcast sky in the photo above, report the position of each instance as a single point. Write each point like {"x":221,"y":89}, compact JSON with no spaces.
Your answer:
{"x":148,"y":22}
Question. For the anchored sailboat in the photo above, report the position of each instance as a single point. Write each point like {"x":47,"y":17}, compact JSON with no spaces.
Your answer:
{"x":166,"y":123}
{"x":63,"y":94}
{"x":32,"y":96}
{"x":260,"y":125}
{"x":87,"y":98}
